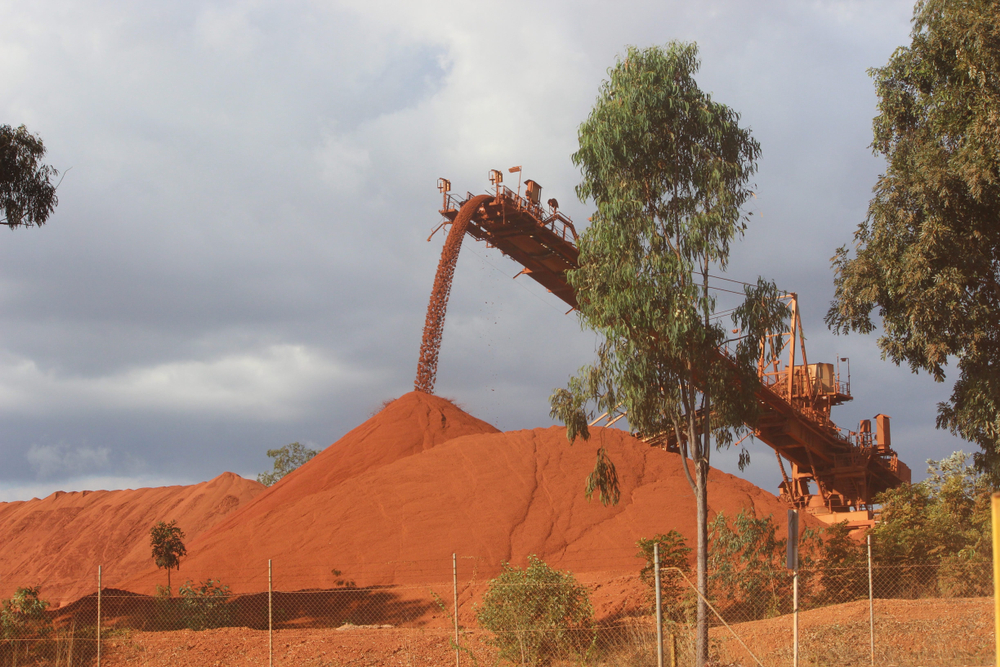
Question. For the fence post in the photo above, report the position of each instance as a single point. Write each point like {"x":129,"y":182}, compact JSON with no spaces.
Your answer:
{"x":659,"y":606}
{"x":792,"y":563}
{"x":995,"y":502}
{"x":270,"y":618}
{"x":454,"y":588}
{"x":871,"y":599}
{"x":98,"y":616}
{"x":795,"y":610}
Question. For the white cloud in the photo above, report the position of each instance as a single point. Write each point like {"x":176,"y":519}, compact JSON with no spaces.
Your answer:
{"x":274,"y":383}
{"x":227,"y":30}
{"x":343,"y":161}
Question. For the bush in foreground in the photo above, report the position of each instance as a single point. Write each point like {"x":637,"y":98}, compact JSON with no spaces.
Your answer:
{"x":537,"y":614}
{"x":23,"y":623}
{"x":677,"y":599}
{"x":205,"y":605}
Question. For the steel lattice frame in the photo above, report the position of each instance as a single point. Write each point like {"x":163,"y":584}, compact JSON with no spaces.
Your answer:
{"x":848,"y":468}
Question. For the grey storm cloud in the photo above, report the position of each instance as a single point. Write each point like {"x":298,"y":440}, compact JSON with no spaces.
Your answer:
{"x":239,"y":256}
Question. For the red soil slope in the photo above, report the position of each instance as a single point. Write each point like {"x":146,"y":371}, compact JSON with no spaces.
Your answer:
{"x":392,"y":500}
{"x":59,"y":541}
{"x":409,"y":425}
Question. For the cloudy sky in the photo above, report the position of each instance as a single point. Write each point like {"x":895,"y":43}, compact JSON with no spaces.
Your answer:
{"x":239,"y":258}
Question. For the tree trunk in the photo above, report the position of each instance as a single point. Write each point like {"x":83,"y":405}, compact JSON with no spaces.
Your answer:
{"x":168,"y":582}
{"x":701,"y":504}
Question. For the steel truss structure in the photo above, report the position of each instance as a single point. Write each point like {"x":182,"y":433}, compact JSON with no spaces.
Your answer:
{"x":847,"y":468}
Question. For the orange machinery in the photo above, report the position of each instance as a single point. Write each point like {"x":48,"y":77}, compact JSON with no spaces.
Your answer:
{"x":834,"y":473}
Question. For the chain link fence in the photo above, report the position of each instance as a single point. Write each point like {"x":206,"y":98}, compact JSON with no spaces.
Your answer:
{"x":918,"y":614}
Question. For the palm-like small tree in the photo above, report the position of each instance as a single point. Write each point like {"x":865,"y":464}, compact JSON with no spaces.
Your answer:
{"x":168,"y":549}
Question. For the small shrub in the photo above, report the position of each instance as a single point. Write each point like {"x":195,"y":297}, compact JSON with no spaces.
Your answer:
{"x":964,"y":575}
{"x":674,"y":553}
{"x":842,"y":568}
{"x":23,"y":621}
{"x":747,"y":565}
{"x":167,"y":614}
{"x":537,"y":614}
{"x":206,"y":605}
{"x":23,"y":615}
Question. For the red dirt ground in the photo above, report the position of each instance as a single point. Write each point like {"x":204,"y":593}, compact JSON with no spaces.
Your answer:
{"x":940,"y":632}
{"x":60,"y":540}
{"x":946,"y":631}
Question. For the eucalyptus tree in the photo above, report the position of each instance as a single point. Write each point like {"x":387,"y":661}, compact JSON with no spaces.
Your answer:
{"x":667,"y":168}
{"x":27,"y":195}
{"x":286,"y":459}
{"x":927,"y":257}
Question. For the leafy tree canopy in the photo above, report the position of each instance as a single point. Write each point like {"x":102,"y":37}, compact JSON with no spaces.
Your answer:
{"x":748,"y":565}
{"x":165,"y":539}
{"x":286,"y":459}
{"x":27,"y":196}
{"x":674,"y":552}
{"x":933,"y":538}
{"x":927,"y":257}
{"x":667,"y":168}
{"x":945,"y":516}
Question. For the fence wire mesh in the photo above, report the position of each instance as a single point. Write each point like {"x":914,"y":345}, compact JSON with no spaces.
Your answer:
{"x":924,"y":614}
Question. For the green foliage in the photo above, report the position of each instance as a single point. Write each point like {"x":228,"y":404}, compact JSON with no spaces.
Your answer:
{"x":667,"y":168}
{"x":537,"y":614}
{"x":674,"y":553}
{"x":926,"y":255}
{"x":286,"y":459}
{"x":748,"y":565}
{"x":933,"y":539}
{"x":27,"y":196}
{"x":23,"y":615}
{"x":205,"y":605}
{"x":168,"y":549}
{"x":843,"y":573}
{"x":946,"y":515}
{"x":166,"y":610}
{"x":24,"y":627}
{"x":964,"y":575}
